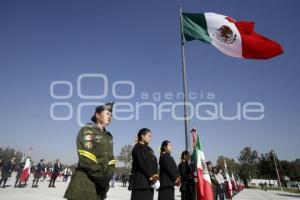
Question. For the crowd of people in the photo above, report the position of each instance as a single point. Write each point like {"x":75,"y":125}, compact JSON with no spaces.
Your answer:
{"x":149,"y":173}
{"x":95,"y":171}
{"x":40,"y":172}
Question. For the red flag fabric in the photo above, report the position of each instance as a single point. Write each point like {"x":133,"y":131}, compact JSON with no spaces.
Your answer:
{"x":203,"y":185}
{"x":26,"y":170}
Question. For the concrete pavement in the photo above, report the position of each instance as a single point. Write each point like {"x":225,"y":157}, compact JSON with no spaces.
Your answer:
{"x":118,"y":193}
{"x":250,"y":194}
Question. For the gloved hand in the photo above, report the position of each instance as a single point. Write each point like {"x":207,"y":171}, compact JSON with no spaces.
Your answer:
{"x":108,"y":174}
{"x":156,"y":185}
{"x":102,"y":191}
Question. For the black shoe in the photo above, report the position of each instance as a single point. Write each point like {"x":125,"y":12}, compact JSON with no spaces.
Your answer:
{"x":3,"y":186}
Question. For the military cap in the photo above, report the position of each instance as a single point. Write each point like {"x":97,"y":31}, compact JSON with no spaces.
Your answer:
{"x":108,"y":106}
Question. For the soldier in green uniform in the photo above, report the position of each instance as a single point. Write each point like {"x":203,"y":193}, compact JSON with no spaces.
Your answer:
{"x":96,"y":165}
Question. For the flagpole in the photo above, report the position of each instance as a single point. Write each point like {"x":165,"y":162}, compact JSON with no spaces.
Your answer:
{"x":185,"y":99}
{"x":278,"y":177}
{"x":30,"y":151}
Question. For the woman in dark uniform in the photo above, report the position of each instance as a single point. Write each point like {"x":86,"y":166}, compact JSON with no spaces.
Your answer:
{"x":144,"y":167}
{"x":168,"y":173}
{"x":186,"y":175}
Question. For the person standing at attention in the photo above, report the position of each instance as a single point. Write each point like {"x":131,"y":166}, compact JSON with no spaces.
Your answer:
{"x":168,"y":173}
{"x":144,"y":167}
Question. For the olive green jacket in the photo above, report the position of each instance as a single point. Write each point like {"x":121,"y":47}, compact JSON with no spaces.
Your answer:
{"x":96,"y":164}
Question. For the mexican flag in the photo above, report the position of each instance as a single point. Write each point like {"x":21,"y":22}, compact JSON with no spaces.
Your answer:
{"x":26,"y":170}
{"x":229,"y":185}
{"x":234,"y":183}
{"x":233,"y":38}
{"x":203,"y":185}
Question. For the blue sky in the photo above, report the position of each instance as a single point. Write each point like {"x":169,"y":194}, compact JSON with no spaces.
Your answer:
{"x":139,"y":41}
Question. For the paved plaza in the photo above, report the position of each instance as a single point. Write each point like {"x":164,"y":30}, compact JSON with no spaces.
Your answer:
{"x":118,"y":193}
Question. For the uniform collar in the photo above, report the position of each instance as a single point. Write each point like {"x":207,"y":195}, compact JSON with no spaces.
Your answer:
{"x":98,"y":128}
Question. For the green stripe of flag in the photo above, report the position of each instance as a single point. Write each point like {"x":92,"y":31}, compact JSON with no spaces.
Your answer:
{"x":195,"y":27}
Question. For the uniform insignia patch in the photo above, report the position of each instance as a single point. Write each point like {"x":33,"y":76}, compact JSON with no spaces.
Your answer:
{"x":98,"y":137}
{"x":88,"y":137}
{"x":88,"y":145}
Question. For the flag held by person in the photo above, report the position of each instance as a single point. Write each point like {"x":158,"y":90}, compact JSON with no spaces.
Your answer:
{"x":228,"y":179}
{"x":203,"y":185}
{"x":26,"y":170}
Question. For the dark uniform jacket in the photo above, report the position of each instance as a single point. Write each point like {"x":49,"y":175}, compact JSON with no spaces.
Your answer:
{"x":168,"y":172}
{"x":39,"y":170}
{"x":96,"y":164}
{"x":57,"y":168}
{"x":144,"y":165}
{"x":7,"y":168}
{"x":185,"y":172}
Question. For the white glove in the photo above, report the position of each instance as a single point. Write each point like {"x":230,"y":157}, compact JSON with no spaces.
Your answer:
{"x":156,"y":185}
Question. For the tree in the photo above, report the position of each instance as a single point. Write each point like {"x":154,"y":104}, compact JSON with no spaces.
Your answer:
{"x":266,"y":165}
{"x":232,"y":166}
{"x":249,"y":164}
{"x":121,"y":170}
{"x":247,"y":156}
{"x":8,"y":152}
{"x":290,"y":169}
{"x":126,"y":158}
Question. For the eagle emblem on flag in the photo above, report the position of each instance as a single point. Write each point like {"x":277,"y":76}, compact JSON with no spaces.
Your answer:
{"x":225,"y":34}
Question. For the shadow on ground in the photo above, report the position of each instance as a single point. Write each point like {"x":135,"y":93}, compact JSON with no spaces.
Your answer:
{"x":289,"y":195}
